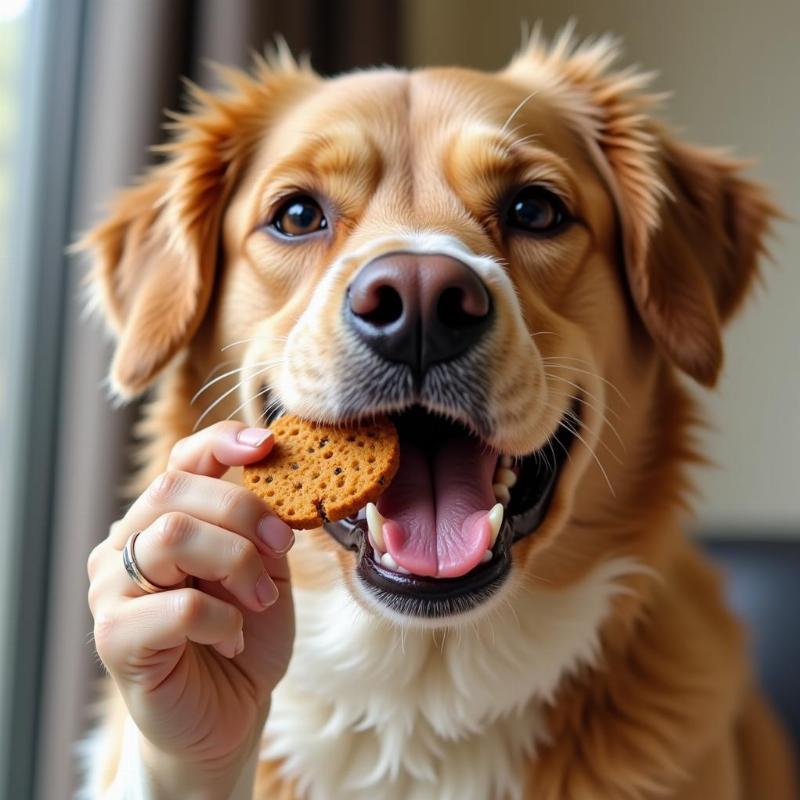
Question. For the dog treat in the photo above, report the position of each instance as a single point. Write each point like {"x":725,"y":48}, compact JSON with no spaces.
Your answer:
{"x":324,"y":473}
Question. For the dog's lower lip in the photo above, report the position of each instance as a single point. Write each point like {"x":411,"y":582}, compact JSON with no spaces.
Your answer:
{"x":440,"y":597}
{"x":436,"y":597}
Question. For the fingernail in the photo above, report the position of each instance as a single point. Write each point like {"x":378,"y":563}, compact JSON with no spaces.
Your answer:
{"x":266,"y":591}
{"x":253,"y":437}
{"x":275,"y":533}
{"x":239,"y":643}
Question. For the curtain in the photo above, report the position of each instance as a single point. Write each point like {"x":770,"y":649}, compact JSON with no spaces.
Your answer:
{"x":132,"y":56}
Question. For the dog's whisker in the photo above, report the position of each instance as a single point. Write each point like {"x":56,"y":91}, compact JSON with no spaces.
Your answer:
{"x":574,"y":385}
{"x":604,"y":419}
{"x":554,"y":362}
{"x":552,"y":452}
{"x":541,"y":455}
{"x":215,"y":370}
{"x":227,"y":394}
{"x":219,"y":378}
{"x":592,"y":452}
{"x":561,"y":445}
{"x":264,"y":390}
{"x":253,"y":339}
{"x":274,"y":405}
{"x":598,"y":410}
{"x":581,"y":424}
{"x":571,"y":416}
{"x":598,"y":406}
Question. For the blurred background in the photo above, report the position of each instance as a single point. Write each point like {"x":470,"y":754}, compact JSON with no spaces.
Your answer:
{"x":83,"y":84}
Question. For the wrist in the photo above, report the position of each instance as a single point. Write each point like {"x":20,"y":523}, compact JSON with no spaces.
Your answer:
{"x":166,"y":776}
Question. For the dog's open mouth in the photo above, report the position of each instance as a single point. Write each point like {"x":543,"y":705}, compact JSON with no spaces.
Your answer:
{"x":439,"y":541}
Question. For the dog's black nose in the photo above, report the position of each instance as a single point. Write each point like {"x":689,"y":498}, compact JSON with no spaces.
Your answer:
{"x":418,"y":309}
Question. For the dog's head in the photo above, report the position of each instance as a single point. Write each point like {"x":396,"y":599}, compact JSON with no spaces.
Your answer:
{"x":507,"y":264}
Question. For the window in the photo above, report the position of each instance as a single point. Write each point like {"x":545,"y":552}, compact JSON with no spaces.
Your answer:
{"x":39,"y":47}
{"x":15,"y":25}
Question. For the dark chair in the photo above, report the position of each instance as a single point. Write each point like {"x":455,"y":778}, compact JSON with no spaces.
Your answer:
{"x":763,"y":586}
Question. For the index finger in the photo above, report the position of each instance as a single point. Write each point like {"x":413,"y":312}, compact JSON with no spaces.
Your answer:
{"x":213,"y":450}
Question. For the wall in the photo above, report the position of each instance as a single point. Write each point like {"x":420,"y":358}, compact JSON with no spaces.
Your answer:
{"x":733,"y":69}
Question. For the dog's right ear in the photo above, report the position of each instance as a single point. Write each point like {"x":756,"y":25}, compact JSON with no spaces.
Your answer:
{"x":154,"y":256}
{"x":153,"y":287}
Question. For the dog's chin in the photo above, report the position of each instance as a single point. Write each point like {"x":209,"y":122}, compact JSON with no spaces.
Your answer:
{"x":398,"y":577}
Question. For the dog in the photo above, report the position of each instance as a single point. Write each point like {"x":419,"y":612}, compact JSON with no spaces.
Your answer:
{"x":522,"y":269}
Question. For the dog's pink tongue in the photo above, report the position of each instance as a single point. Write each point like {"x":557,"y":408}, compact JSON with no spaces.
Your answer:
{"x":437,"y":508}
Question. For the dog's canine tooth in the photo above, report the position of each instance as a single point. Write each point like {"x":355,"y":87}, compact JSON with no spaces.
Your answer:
{"x":388,"y":562}
{"x":375,"y":522}
{"x":501,"y":493}
{"x":506,"y":476}
{"x":402,"y":570}
{"x":496,"y":521}
{"x":487,"y":556}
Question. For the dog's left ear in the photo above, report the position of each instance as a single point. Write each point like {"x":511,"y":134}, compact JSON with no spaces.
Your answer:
{"x":691,"y":265}
{"x":692,"y":227}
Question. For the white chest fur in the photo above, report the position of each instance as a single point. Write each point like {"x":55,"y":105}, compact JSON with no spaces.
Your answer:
{"x":370,"y":709}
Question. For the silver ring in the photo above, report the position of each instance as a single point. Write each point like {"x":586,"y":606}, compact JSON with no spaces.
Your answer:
{"x":132,"y":568}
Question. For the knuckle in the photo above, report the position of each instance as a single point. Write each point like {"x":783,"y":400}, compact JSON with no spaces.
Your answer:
{"x":188,"y":605}
{"x":93,"y":596}
{"x":243,"y":552}
{"x":179,"y":449}
{"x":167,"y":486}
{"x":103,"y":627}
{"x":93,"y":562}
{"x":234,"y":497}
{"x":173,"y":529}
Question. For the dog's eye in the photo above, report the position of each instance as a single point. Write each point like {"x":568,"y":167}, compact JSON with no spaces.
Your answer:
{"x":537,"y":210}
{"x":299,"y":216}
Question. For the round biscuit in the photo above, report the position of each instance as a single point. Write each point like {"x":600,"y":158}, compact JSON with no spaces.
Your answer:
{"x":323,"y":473}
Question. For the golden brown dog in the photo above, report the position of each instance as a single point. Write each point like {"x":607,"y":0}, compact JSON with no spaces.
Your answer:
{"x":517,"y":266}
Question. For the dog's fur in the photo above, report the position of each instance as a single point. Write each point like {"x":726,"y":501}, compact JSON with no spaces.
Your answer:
{"x":608,"y":666}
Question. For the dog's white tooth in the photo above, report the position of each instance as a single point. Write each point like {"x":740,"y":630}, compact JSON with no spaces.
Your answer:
{"x":506,"y":462}
{"x":375,"y":522}
{"x":487,"y":556}
{"x":388,"y":562}
{"x":402,"y":570}
{"x":496,"y":521}
{"x":501,"y":493}
{"x":505,"y":476}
